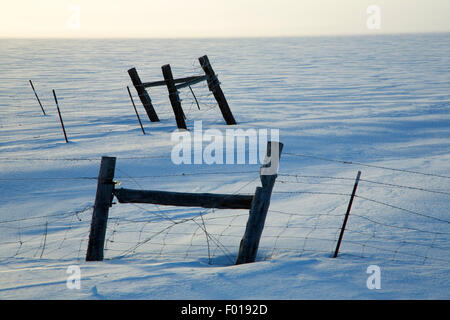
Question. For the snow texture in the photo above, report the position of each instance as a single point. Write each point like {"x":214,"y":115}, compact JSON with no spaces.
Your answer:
{"x":377,"y":104}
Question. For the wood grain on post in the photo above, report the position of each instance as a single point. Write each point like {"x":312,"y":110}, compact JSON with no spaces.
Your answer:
{"x":214,"y":87}
{"x":103,"y":200}
{"x":248,"y":249}
{"x":173,"y":96}
{"x":203,"y":200}
{"x":143,"y":95}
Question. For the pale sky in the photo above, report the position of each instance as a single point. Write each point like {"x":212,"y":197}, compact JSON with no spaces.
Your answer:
{"x":218,"y":18}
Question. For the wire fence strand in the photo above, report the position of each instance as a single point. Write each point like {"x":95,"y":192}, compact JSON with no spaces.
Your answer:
{"x":194,"y":233}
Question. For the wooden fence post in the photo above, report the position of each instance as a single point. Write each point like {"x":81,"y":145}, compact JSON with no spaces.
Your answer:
{"x":260,"y":205}
{"x":143,"y":95}
{"x":214,"y":87}
{"x":103,"y":200}
{"x":173,"y":96}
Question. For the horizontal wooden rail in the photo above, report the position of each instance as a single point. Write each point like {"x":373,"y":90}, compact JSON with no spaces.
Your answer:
{"x":190,"y":80}
{"x":203,"y":200}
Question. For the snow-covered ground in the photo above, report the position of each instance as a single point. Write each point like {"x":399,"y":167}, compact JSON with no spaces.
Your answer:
{"x":376,"y":104}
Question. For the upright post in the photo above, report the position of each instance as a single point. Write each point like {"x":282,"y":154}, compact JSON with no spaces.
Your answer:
{"x":174,"y":97}
{"x":42,"y":108}
{"x":214,"y":87}
{"x":103,"y":200}
{"x":143,"y":95}
{"x":135,"y":110}
{"x":260,"y":205}
{"x":60,"y":118}
{"x":347,"y":214}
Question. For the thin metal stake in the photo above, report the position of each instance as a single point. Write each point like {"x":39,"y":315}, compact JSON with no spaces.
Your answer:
{"x":135,"y":110}
{"x":60,"y":119}
{"x":347,"y":214}
{"x":32,"y":87}
{"x":193,"y":94}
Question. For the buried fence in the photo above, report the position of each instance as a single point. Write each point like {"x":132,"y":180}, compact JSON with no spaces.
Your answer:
{"x":258,"y":204}
{"x":305,"y":217}
{"x":211,"y":98}
{"x":173,"y":85}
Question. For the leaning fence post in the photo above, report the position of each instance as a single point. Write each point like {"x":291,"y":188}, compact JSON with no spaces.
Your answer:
{"x":174,"y":97}
{"x":214,"y":87}
{"x":260,"y":205}
{"x":103,"y":200}
{"x":32,"y":87}
{"x":60,"y":118}
{"x":143,"y":95}
{"x":135,"y":110}
{"x":347,"y":214}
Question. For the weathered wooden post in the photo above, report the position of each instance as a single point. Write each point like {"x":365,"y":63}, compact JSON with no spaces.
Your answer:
{"x":214,"y":87}
{"x":260,"y":205}
{"x":143,"y":95}
{"x":103,"y":200}
{"x":174,"y":97}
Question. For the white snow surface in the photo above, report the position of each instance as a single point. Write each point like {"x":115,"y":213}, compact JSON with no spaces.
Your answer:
{"x":371,"y":103}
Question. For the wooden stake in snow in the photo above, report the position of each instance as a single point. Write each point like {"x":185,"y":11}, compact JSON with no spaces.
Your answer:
{"x":260,"y":205}
{"x":60,"y":118}
{"x":214,"y":87}
{"x":32,"y":87}
{"x":174,"y":97}
{"x":103,"y":201}
{"x":143,"y":95}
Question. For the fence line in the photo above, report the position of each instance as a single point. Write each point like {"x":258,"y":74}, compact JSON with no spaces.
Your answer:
{"x":365,"y":165}
{"x":361,"y":180}
{"x":195,"y":233}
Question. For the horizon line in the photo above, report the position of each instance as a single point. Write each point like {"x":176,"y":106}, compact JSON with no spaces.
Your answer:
{"x":219,"y":37}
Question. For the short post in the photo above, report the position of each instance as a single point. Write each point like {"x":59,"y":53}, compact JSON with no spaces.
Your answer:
{"x":214,"y":87}
{"x":103,"y":201}
{"x":135,"y":110}
{"x":42,"y":108}
{"x":341,"y":235}
{"x":143,"y":95}
{"x":174,"y":97}
{"x":60,"y":118}
{"x":260,"y":205}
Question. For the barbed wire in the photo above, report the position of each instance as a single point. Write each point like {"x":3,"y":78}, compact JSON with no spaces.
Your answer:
{"x":39,"y":240}
{"x":365,"y":165}
{"x":361,"y":180}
